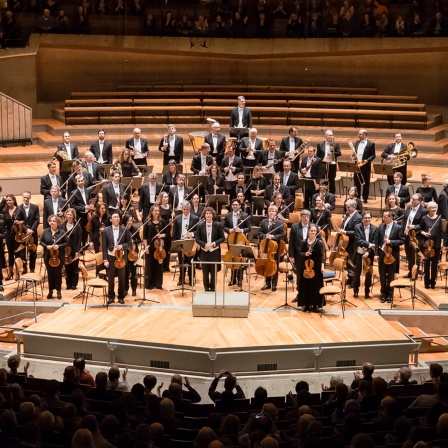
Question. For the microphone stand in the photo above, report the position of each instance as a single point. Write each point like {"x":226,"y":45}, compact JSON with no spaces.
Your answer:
{"x":143,"y":298}
{"x":289,"y":278}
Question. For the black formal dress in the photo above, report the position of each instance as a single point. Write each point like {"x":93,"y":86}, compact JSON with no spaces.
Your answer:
{"x":48,"y":238}
{"x":435,"y":227}
{"x":73,"y":239}
{"x":154,"y":269}
{"x":11,"y":243}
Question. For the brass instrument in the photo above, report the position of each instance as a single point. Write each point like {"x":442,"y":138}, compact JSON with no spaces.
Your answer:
{"x":61,"y":155}
{"x":330,"y":158}
{"x":404,"y":155}
{"x":197,"y":139}
{"x":299,"y":151}
{"x":355,"y":154}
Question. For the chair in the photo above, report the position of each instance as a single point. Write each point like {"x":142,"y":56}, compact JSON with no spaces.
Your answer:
{"x":91,"y":281}
{"x":409,"y":174}
{"x":335,"y":290}
{"x":406,"y":283}
{"x":30,"y":277}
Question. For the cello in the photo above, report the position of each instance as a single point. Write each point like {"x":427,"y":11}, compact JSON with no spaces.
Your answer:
{"x":339,"y":249}
{"x":236,"y":238}
{"x":266,"y":264}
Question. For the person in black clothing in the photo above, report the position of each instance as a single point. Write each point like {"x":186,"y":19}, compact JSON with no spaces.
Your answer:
{"x":189,"y":394}
{"x":230,"y":383}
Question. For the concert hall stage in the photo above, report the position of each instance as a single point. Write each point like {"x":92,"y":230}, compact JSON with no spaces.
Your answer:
{"x":170,"y":339}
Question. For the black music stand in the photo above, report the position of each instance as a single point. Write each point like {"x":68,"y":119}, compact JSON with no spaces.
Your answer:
{"x":383,"y":169}
{"x":257,"y":204}
{"x":105,"y":168}
{"x":349,"y":167}
{"x":289,"y":278}
{"x":135,"y":182}
{"x":239,"y":133}
{"x":253,"y":233}
{"x":183,"y":246}
{"x":218,"y":199}
{"x":241,"y":251}
{"x":143,"y":297}
{"x":197,"y":180}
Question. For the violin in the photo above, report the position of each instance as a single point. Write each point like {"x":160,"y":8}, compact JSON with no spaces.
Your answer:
{"x":413,"y":239}
{"x":68,"y":257}
{"x":159,"y":251}
{"x":388,"y":258}
{"x":18,"y":230}
{"x":339,"y":248}
{"x":367,"y":267}
{"x":54,"y":261}
{"x":429,"y":248}
{"x":119,"y":259}
{"x":132,"y":252}
{"x":30,"y":245}
{"x":308,"y":272}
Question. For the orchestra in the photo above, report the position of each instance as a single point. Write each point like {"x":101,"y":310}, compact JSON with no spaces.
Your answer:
{"x":261,"y":197}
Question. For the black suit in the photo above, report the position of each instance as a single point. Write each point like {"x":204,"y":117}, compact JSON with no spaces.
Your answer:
{"x":292,"y":184}
{"x":269,"y":192}
{"x":196,"y":163}
{"x":362,"y":246}
{"x":31,"y":222}
{"x":95,"y":171}
{"x":387,"y":271}
{"x":177,"y":235}
{"x":285,"y":146}
{"x":46,"y":184}
{"x":174,"y":196}
{"x":264,"y":160}
{"x":349,"y":226}
{"x":328,"y":199}
{"x":403,"y":194}
{"x":145,"y":202}
{"x":389,"y":150}
{"x":332,"y":168}
{"x":144,"y":149}
{"x":295,"y":240}
{"x":235,"y":118}
{"x":72,"y":185}
{"x":106,"y":152}
{"x":110,"y":197}
{"x":245,"y":142}
{"x":49,"y":210}
{"x":217,"y":237}
{"x":368,"y":155}
{"x":237,"y":164}
{"x":78,"y":203}
{"x":411,"y":252}
{"x":442,"y":204}
{"x":112,"y":272}
{"x":74,"y":155}
{"x":219,"y":151}
{"x":178,"y":149}
{"x":314,"y":172}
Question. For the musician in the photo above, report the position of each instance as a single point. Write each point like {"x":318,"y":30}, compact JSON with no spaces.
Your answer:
{"x":81,"y":203}
{"x":196,"y":208}
{"x":201,"y":162}
{"x":166,"y":213}
{"x":115,"y":238}
{"x":392,"y":205}
{"x":298,"y":233}
{"x":365,"y":236}
{"x":13,"y":215}
{"x":53,"y":205}
{"x":181,"y":230}
{"x":2,"y":257}
{"x":311,"y":249}
{"x":250,"y":148}
{"x":179,"y":193}
{"x":353,"y":194}
{"x":257,"y":185}
{"x":442,"y":201}
{"x":240,"y":116}
{"x":276,"y":187}
{"x":289,"y":178}
{"x":391,"y":153}
{"x":365,"y":153}
{"x":31,"y":221}
{"x":149,"y":193}
{"x":113,"y":191}
{"x":310,"y":169}
{"x":53,"y":238}
{"x":240,"y":186}
{"x":209,"y":236}
{"x":138,"y":146}
{"x":389,"y":233}
{"x":270,"y":159}
{"x":126,"y":165}
{"x":329,"y":199}
{"x":102,"y":149}
{"x":431,"y":229}
{"x":169,"y":177}
{"x":231,"y":165}
{"x":91,"y":166}
{"x":131,"y":268}
{"x":400,"y":190}
{"x":291,"y":145}
{"x":245,"y":205}
{"x":217,"y":142}
{"x":78,"y":170}
{"x":351,"y":219}
{"x":172,"y":146}
{"x":236,"y":222}
{"x":215,"y":182}
{"x":427,"y":191}
{"x":73,"y":237}
{"x":65,"y":151}
{"x":100,"y":220}
{"x":154,"y":236}
{"x":411,"y":221}
{"x":272,"y":228}
{"x":125,"y":207}
{"x":50,"y":179}
{"x":283,"y":210}
{"x":321,"y":216}
{"x":329,"y":151}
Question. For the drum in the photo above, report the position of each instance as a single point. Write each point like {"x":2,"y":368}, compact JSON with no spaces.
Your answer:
{"x":197,"y":139}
